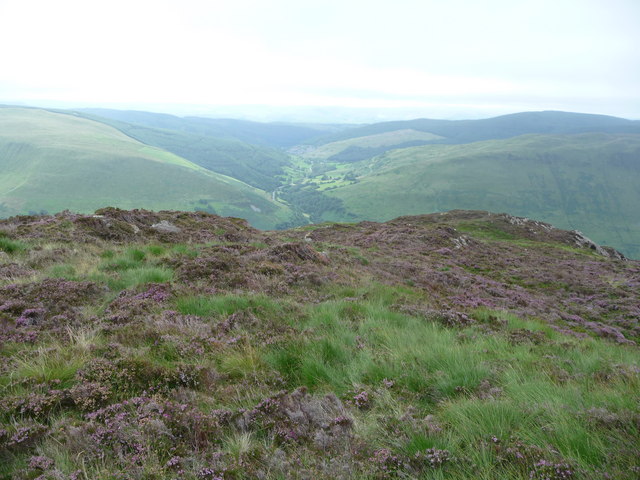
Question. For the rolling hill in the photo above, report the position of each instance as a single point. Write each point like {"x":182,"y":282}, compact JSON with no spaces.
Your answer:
{"x":279,"y":135}
{"x":587,"y":182}
{"x":505,"y":126}
{"x":577,"y":171}
{"x":365,"y":142}
{"x":53,"y":161}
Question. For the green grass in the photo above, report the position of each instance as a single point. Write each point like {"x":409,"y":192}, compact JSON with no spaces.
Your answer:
{"x":206,"y":306}
{"x":45,"y":365}
{"x":11,"y":246}
{"x":63,"y":270}
{"x":350,"y":346}
{"x":142,"y":275}
{"x":386,"y":139}
{"x":505,"y":385}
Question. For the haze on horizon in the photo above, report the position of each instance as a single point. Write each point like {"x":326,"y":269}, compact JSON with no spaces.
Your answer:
{"x":409,"y":58}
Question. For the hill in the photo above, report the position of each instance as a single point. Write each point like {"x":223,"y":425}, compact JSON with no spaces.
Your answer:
{"x":54,"y":161}
{"x":355,"y":144}
{"x":255,"y":133}
{"x":586,"y":182}
{"x":505,"y":126}
{"x":458,"y":345}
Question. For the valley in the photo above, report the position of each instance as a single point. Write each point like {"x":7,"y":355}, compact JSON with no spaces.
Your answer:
{"x":576,"y":171}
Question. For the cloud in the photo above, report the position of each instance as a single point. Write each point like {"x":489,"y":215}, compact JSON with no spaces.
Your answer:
{"x":322,"y":53}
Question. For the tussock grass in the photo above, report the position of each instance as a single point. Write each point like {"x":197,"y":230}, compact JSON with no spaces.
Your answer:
{"x":10,"y":246}
{"x":544,"y":391}
{"x":206,"y":306}
{"x":46,"y":364}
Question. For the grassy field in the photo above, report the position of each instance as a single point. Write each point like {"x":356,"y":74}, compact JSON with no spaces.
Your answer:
{"x":52,"y":162}
{"x":586,"y":182}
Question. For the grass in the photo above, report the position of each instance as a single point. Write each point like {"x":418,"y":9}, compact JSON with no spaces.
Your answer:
{"x":117,"y":268}
{"x":10,"y":246}
{"x":428,"y":363}
{"x":206,"y":306}
{"x":46,"y":365}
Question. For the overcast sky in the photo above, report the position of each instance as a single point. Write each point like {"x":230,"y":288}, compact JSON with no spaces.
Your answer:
{"x":442,"y":58}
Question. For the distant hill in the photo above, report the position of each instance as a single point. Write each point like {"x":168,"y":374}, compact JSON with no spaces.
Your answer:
{"x":505,"y":126}
{"x":359,"y":143}
{"x":587,"y":182}
{"x":256,"y":133}
{"x":54,"y":161}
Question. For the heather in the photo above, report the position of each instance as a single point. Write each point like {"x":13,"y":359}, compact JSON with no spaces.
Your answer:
{"x":155,"y":345}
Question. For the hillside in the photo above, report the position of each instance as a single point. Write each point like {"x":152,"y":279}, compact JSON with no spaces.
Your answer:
{"x":444,"y":346}
{"x":586,"y":182}
{"x":256,"y":165}
{"x":53,"y":161}
{"x":359,"y":142}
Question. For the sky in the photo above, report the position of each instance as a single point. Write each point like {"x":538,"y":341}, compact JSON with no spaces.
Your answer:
{"x":403,"y":58}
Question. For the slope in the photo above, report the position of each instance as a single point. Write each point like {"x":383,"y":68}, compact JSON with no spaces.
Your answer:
{"x":587,"y":182}
{"x":52,"y":161}
{"x":253,"y":164}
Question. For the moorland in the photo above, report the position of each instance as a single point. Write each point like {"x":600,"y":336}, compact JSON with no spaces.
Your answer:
{"x":162,"y":345}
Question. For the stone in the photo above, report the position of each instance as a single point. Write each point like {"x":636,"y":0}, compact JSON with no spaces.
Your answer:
{"x":165,"y":227}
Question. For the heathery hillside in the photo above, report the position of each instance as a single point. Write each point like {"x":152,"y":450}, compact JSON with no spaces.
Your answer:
{"x":141,"y":345}
{"x":587,"y":182}
{"x":54,"y":161}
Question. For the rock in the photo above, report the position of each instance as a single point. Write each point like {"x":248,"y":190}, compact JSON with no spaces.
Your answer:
{"x":462,"y":241}
{"x":582,"y":241}
{"x":165,"y":227}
